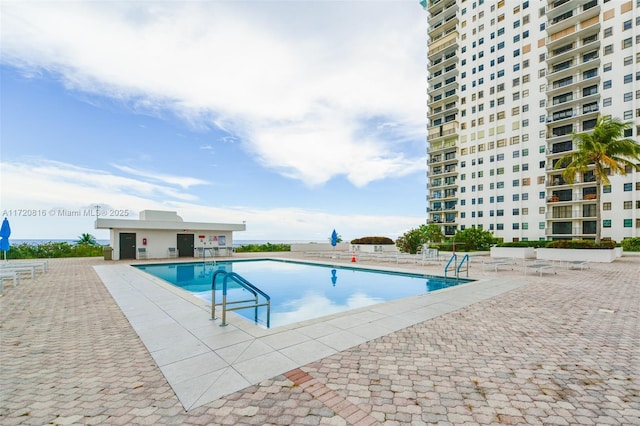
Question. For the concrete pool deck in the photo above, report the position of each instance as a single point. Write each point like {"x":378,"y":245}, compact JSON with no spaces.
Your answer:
{"x":93,"y":342}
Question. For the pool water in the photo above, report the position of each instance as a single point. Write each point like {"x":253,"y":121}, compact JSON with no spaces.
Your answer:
{"x":299,"y":291}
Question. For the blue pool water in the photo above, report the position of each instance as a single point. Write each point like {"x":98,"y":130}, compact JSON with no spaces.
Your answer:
{"x":299,"y":291}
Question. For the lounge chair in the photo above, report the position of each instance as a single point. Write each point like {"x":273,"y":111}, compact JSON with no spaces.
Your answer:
{"x":540,"y":267}
{"x":575,"y":264}
{"x":14,"y":267}
{"x":42,"y":264}
{"x":495,"y":263}
{"x":4,"y":275}
{"x":173,"y":252}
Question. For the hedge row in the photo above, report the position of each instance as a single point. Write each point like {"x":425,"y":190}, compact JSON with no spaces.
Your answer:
{"x":373,"y":240}
{"x":53,"y":250}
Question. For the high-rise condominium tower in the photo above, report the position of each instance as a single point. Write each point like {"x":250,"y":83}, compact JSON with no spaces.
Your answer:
{"x":509,"y":82}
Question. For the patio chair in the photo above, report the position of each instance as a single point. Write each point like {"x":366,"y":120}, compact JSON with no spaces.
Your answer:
{"x":173,"y":252}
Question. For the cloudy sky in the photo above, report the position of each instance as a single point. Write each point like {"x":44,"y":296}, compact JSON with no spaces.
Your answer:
{"x":297,"y":117}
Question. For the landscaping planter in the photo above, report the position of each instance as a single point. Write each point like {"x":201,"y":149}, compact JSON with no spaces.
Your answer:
{"x":588,"y":255}
{"x":514,"y":252}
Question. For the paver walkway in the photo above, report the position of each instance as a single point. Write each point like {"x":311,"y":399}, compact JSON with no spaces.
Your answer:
{"x":564,"y":349}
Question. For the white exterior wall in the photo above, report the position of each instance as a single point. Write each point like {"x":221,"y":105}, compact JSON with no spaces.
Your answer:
{"x":527,"y":120}
{"x":159,"y":241}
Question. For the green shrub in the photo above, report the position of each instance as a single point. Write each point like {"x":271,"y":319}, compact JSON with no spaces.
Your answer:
{"x":448,"y":246}
{"x":413,"y":240}
{"x":534,"y":244}
{"x":268,"y":247}
{"x":372,"y":240}
{"x":53,"y":250}
{"x":582,"y":244}
{"x":474,"y":239}
{"x":631,"y":244}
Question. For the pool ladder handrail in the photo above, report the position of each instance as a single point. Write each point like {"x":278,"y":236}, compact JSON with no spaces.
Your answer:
{"x":456,"y":266}
{"x":244,"y":284}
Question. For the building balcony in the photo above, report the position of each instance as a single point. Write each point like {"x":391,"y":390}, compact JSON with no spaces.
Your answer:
{"x":436,"y":48}
{"x":435,"y":148}
{"x":571,"y":82}
{"x":573,"y":48}
{"x":572,"y":67}
{"x":440,"y":8}
{"x":450,"y":21}
{"x":556,"y":7}
{"x":563,"y":32}
{"x":560,"y":18}
{"x":443,"y":61}
{"x":447,"y":130}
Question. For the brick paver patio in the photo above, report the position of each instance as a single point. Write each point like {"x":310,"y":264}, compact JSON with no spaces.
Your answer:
{"x":562,"y":350}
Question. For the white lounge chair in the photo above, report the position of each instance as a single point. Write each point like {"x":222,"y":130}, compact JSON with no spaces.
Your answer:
{"x":5,"y":275}
{"x":14,"y":267}
{"x":173,"y":252}
{"x":540,"y":267}
{"x":495,"y":263}
{"x":575,"y":264}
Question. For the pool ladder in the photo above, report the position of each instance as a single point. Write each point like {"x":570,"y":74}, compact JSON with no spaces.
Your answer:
{"x":456,"y":266}
{"x":232,"y":276}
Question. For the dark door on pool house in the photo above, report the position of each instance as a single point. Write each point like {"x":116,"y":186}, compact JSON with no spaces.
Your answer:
{"x":127,"y":245}
{"x":185,"y":245}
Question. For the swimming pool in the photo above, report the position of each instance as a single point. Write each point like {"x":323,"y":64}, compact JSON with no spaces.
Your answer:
{"x":299,"y":291}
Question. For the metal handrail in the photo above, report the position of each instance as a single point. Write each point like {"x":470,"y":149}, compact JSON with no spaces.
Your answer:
{"x":457,"y":266}
{"x":454,"y":257}
{"x":466,"y":257}
{"x":244,"y":284}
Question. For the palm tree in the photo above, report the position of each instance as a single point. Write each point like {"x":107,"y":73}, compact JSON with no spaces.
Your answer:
{"x":87,"y":239}
{"x":604,"y":149}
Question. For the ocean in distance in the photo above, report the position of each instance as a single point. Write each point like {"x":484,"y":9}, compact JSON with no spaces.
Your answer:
{"x":236,"y":243}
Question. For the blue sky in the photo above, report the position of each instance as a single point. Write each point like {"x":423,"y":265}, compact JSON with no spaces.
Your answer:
{"x":296,"y":117}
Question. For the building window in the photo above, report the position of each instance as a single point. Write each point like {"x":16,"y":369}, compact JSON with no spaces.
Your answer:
{"x":627,"y":187}
{"x":628,"y":223}
{"x":606,"y":206}
{"x":627,"y":42}
{"x":606,"y":223}
{"x":606,"y":84}
{"x":627,"y":205}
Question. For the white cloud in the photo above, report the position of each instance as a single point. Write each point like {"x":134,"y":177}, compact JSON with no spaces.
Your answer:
{"x":183,"y":181}
{"x":33,"y":194}
{"x":298,"y":83}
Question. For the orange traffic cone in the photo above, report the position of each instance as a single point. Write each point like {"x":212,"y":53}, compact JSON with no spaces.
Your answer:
{"x":353,"y":256}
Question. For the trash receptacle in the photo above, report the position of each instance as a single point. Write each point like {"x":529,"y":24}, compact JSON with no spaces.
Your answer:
{"x":108,"y":253}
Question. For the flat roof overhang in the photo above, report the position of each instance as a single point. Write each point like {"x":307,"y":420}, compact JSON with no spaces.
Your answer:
{"x":168,"y":225}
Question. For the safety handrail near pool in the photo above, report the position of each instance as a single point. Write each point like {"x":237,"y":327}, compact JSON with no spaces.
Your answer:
{"x":454,"y":258}
{"x":457,"y":266}
{"x":465,"y":258}
{"x":244,"y":284}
